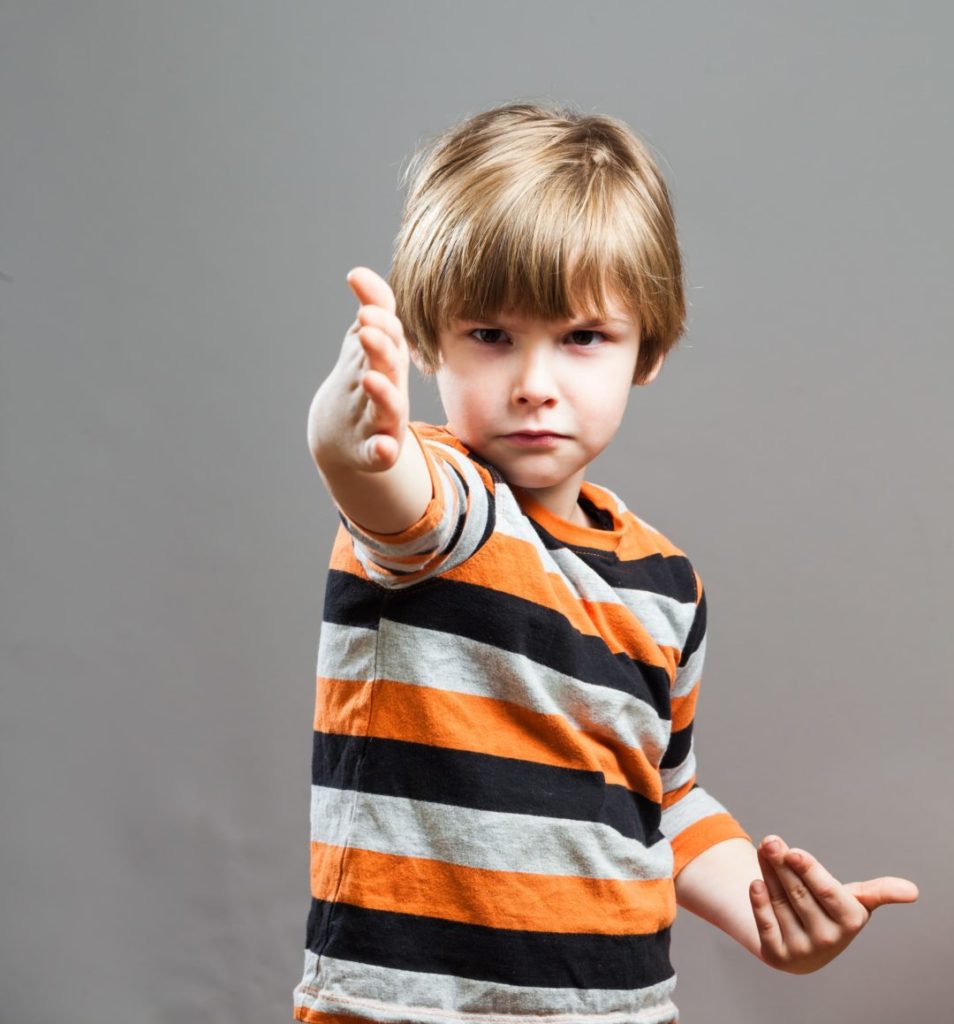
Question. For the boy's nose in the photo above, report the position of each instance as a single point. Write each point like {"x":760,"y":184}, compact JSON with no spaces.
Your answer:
{"x":534,"y":383}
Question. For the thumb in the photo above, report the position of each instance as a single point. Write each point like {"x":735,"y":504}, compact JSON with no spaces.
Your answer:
{"x":371,"y":289}
{"x":876,"y":892}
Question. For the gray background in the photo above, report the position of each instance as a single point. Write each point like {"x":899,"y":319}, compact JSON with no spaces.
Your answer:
{"x":183,"y":187}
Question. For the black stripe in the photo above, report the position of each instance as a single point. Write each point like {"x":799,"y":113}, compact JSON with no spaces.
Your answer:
{"x":678,"y":749}
{"x":411,"y":942}
{"x":667,"y":575}
{"x":602,"y":516}
{"x":461,"y":516}
{"x":696,"y":632}
{"x":466,"y":779}
{"x":524,"y":627}
{"x":352,"y":600}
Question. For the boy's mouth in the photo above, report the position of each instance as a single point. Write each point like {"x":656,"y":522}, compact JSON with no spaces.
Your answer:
{"x":534,"y":433}
{"x":533,"y":437}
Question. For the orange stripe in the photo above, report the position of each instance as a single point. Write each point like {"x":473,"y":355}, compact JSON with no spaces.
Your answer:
{"x":683,"y":708}
{"x":675,"y":795}
{"x":342,"y":705}
{"x":344,"y":559}
{"x":342,"y":555}
{"x":317,"y":1017}
{"x":638,"y":542}
{"x":462,"y":721}
{"x":509,"y":565}
{"x":495,"y":899}
{"x":706,"y":832}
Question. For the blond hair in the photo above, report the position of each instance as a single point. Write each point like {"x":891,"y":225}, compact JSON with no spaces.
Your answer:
{"x":536,"y":210}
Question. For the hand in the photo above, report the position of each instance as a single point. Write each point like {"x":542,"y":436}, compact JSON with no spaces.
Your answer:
{"x":806,"y":917}
{"x":358,"y":417}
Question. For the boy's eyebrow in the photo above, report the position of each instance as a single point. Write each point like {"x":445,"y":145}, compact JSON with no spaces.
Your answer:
{"x":614,"y":321}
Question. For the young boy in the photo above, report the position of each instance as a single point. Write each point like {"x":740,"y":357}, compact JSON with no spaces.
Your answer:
{"x":505,"y":810}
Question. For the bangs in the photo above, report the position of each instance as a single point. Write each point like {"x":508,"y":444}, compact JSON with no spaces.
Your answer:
{"x":553,"y":252}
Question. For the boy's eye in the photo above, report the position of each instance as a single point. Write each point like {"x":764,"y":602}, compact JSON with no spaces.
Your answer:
{"x":593,"y":334}
{"x":581,"y":338}
{"x":486,"y":330}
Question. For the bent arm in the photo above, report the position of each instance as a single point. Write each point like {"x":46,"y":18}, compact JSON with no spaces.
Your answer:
{"x":799,"y":916}
{"x":715,"y":886}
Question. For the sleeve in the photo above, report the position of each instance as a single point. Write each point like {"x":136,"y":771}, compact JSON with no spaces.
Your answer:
{"x":457,"y":521}
{"x":692,"y":820}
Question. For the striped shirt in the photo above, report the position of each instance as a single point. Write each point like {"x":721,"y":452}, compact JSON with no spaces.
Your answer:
{"x":503,"y":776}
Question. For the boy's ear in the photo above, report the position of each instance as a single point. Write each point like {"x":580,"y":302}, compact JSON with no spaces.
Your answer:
{"x":651,"y":376}
{"x":416,"y":359}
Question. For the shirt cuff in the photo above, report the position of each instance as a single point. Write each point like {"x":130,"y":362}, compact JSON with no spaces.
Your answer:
{"x":698,"y":837}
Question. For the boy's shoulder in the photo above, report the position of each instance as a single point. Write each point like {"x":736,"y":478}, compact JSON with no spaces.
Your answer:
{"x":640,"y":538}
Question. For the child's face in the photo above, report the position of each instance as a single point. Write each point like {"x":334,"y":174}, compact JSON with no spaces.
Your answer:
{"x":505,"y":375}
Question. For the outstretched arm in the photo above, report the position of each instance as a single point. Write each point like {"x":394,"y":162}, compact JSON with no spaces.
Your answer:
{"x":358,"y":420}
{"x":781,"y":903}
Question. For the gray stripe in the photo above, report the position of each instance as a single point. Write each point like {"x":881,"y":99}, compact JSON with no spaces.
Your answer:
{"x":694,"y":806}
{"x":346,"y":652}
{"x":689,"y":674}
{"x":446,"y":661}
{"x":490,"y":840}
{"x":585,"y":582}
{"x":386,"y":994}
{"x":667,"y":620}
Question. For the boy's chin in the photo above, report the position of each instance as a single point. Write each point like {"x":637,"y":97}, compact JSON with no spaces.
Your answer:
{"x":533,"y":481}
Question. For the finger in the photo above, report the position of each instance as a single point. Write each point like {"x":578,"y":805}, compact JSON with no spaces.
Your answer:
{"x":380,"y":351}
{"x":830,"y":895}
{"x":395,"y":353}
{"x":770,"y":935}
{"x":876,"y":892}
{"x":800,"y":897}
{"x":788,"y":921}
{"x":381,"y":451}
{"x":385,"y":411}
{"x":375,"y":316}
{"x":371,"y":289}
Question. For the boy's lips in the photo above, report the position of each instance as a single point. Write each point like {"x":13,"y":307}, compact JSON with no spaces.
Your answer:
{"x":534,"y":437}
{"x":536,"y":432}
